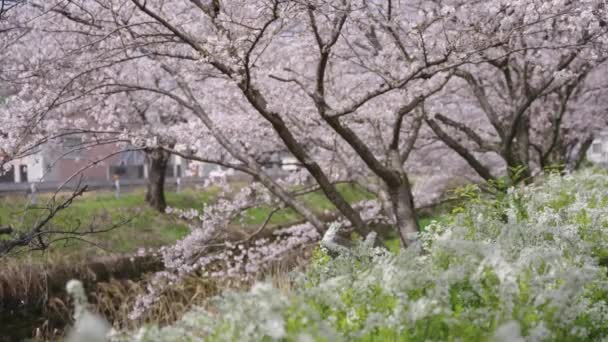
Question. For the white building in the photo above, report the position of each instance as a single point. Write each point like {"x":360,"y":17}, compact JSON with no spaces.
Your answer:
{"x":598,"y":152}
{"x":62,"y":161}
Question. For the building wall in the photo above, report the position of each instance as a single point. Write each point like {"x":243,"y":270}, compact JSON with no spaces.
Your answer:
{"x":598,"y":152}
{"x":53,"y":163}
{"x":34,"y":166}
{"x":60,"y":167}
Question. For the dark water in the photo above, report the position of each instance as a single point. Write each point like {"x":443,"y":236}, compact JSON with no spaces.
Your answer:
{"x":49,"y":312}
{"x":21,"y":324}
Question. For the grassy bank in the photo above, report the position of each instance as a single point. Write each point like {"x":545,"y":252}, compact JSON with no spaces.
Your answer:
{"x":28,"y":300}
{"x":137,"y":225}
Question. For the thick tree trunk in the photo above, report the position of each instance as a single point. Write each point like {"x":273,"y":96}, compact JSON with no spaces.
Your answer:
{"x":405,"y":213}
{"x":157,"y":166}
{"x":402,"y":200}
{"x":523,"y":143}
{"x":581,"y":153}
{"x":517,"y":154}
{"x":386,"y":203}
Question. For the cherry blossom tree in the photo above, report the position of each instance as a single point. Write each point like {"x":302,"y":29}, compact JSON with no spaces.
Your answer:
{"x":10,"y":34}
{"x":242,"y":71}
{"x":535,"y":96}
{"x":343,"y":86}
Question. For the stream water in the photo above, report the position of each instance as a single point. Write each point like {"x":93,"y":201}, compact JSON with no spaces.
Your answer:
{"x":19,"y":318}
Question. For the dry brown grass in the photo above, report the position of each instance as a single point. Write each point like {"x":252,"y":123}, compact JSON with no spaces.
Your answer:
{"x":32,"y":291}
{"x":116,"y":299}
{"x":36,"y":287}
{"x":27,"y":280}
{"x":31,"y":301}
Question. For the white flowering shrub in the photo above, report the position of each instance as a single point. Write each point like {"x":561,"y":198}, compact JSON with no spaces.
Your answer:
{"x":523,"y":267}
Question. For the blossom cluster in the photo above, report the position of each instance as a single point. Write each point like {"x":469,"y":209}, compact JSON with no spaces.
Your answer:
{"x":210,"y":252}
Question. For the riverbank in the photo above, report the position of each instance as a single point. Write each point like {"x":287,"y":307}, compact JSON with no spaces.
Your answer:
{"x":32,"y":296}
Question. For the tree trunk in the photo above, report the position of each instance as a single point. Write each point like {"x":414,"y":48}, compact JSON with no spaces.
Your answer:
{"x":517,"y":154}
{"x":400,"y":194}
{"x":157,"y":166}
{"x":406,"y":221}
{"x":581,"y":153}
{"x":523,"y":141}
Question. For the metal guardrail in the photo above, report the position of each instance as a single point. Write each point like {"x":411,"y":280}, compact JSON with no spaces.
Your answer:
{"x":45,"y":187}
{"x":125,"y":184}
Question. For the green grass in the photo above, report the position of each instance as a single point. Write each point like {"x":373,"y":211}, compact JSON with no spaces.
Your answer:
{"x":315,"y":200}
{"x":140,"y":226}
{"x":137,"y":224}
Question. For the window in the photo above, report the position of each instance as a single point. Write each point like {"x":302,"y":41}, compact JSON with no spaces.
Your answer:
{"x":7,"y":176}
{"x":23,"y":173}
{"x":72,"y":147}
{"x":597,"y":147}
{"x":72,"y":141}
{"x":118,"y":170}
{"x":169,"y":171}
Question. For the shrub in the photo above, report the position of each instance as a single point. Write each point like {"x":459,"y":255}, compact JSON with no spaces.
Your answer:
{"x":524,"y":266}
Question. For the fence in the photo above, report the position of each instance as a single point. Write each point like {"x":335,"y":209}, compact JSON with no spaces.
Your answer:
{"x":125,"y":185}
